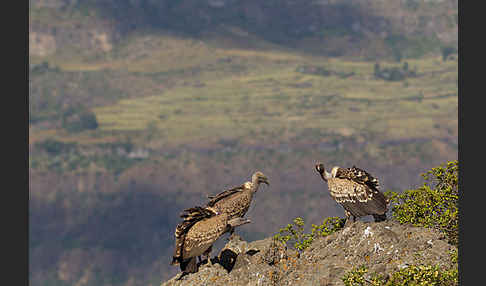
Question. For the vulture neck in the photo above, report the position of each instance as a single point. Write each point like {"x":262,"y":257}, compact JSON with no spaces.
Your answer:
{"x":254,"y":185}
{"x":326,"y":175}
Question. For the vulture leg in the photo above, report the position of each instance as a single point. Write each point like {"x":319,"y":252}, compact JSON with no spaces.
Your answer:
{"x":348,"y":216}
{"x":231,"y":232}
{"x":207,"y":254}
{"x":188,"y":266}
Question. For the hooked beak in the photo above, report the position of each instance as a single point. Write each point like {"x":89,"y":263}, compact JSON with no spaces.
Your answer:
{"x":265,"y":180}
{"x":320,"y":170}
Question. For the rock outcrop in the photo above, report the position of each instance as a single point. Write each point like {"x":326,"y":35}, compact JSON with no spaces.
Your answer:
{"x":383,"y":248}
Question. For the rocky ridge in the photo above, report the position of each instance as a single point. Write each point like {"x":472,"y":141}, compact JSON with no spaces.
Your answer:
{"x":383,"y":248}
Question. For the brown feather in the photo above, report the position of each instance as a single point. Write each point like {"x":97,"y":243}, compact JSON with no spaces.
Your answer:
{"x":358,"y":175}
{"x":222,"y":195}
{"x":191,"y":216}
{"x":356,"y":190}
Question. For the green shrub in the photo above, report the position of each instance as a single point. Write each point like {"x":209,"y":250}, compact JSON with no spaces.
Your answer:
{"x":395,"y":73}
{"x":432,"y":205}
{"x":328,"y":226}
{"x":79,"y":119}
{"x":411,"y":275}
{"x":54,"y":147}
{"x":424,"y":275}
{"x":300,"y":240}
{"x":356,"y":277}
{"x":447,"y":51}
{"x":295,"y":234}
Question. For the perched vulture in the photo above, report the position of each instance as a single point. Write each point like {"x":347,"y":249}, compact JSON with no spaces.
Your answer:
{"x":356,"y":190}
{"x":236,"y":201}
{"x":196,"y":234}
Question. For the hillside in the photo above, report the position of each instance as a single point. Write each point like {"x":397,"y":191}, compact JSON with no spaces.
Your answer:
{"x":139,"y":109}
{"x":382,"y":248}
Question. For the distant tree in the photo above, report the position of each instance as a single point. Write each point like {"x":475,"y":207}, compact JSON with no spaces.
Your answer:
{"x":397,"y":54}
{"x":405,"y":67}
{"x":396,"y":75}
{"x":377,"y":70}
{"x":88,"y":120}
{"x":79,"y":119}
{"x":447,"y":51}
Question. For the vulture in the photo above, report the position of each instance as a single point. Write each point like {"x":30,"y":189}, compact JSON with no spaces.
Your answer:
{"x":356,"y":190}
{"x":195,"y":235}
{"x":236,"y":201}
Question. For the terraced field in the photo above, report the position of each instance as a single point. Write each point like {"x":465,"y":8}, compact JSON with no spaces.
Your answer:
{"x":197,"y":92}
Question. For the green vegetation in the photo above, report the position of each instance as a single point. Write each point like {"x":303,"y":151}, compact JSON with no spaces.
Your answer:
{"x":447,"y":51}
{"x":394,"y":73}
{"x":432,"y":205}
{"x":412,"y":275}
{"x":295,"y":236}
{"x":356,"y":277}
{"x":79,"y":119}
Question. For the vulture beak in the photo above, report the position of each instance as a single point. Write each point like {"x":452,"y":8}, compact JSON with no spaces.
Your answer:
{"x":265,"y":180}
{"x":320,"y":170}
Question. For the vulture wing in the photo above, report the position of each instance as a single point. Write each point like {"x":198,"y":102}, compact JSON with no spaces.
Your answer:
{"x":358,"y":192}
{"x":359,"y":176}
{"x":190,"y":216}
{"x":222,"y":195}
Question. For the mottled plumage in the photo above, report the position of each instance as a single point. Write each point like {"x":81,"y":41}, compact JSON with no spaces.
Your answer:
{"x":190,"y":216}
{"x":356,"y":190}
{"x":196,"y":234}
{"x":236,"y":201}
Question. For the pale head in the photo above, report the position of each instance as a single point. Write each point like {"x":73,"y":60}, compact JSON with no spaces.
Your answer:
{"x":258,"y":177}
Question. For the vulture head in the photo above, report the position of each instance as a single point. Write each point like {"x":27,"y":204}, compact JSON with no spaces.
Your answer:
{"x":259,"y":177}
{"x":322,"y":171}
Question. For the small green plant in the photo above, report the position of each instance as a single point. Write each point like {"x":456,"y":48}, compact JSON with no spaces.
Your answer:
{"x":295,"y":232}
{"x":432,"y":205}
{"x":328,"y":226}
{"x":357,"y":277}
{"x":424,"y":275}
{"x":454,"y":255}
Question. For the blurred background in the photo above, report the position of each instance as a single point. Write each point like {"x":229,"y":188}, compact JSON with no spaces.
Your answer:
{"x":139,"y":109}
